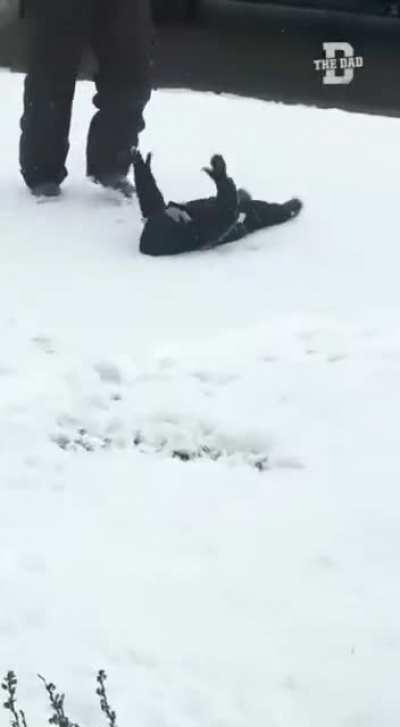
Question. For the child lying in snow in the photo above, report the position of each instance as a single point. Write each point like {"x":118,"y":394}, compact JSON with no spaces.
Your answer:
{"x":202,"y":223}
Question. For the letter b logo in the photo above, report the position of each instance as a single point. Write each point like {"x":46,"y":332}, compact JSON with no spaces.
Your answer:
{"x":331,"y":49}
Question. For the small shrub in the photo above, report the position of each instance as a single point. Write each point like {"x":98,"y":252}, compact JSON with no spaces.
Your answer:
{"x":56,"y":699}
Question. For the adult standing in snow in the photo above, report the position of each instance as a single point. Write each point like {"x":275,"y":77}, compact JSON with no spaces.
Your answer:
{"x":119,"y":33}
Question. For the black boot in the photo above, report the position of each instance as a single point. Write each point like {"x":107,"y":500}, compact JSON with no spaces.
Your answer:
{"x":46,"y":189}
{"x":265,"y":214}
{"x":293,"y":206}
{"x":118,"y":183}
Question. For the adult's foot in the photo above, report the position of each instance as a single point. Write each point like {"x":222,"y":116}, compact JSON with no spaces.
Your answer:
{"x":117,"y":183}
{"x":46,"y":189}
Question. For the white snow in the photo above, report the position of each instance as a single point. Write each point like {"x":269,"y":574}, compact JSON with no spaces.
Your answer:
{"x":214,"y":594}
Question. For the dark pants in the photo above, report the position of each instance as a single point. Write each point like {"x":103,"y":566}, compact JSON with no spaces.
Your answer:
{"x":119,"y":32}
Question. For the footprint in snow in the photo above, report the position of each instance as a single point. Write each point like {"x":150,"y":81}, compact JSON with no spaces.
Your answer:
{"x":336,"y":358}
{"x":31,"y":563}
{"x":290,"y":683}
{"x":108,"y":372}
{"x":325,"y":562}
{"x":214,"y":377}
{"x":6,"y":371}
{"x":44,"y":343}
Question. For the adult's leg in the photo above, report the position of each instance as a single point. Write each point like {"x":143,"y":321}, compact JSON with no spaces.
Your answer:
{"x":59,"y":31}
{"x":122,"y":39}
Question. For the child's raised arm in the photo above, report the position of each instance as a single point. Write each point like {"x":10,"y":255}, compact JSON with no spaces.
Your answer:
{"x":227,"y":199}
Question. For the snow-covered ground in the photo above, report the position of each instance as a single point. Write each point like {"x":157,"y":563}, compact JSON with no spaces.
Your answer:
{"x":216,"y":593}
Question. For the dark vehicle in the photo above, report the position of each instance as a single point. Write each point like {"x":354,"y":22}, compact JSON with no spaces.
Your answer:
{"x":329,"y":53}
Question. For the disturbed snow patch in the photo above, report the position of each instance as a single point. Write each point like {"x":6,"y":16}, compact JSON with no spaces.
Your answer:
{"x":210,"y":405}
{"x":172,"y":412}
{"x":173,"y":436}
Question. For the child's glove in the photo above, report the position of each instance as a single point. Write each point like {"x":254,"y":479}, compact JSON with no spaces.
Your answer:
{"x":138,"y":159}
{"x":217,"y":168}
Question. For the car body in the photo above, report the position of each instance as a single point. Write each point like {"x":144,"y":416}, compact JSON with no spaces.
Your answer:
{"x":277,"y":50}
{"x":176,"y":9}
{"x":273,"y":51}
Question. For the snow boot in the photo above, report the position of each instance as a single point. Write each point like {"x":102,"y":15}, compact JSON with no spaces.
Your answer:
{"x":46,"y":189}
{"x":293,"y":206}
{"x":117,"y":183}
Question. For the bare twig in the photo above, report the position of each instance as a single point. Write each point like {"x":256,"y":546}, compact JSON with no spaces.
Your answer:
{"x":57,"y":703}
{"x":9,"y":684}
{"x":104,"y":704}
